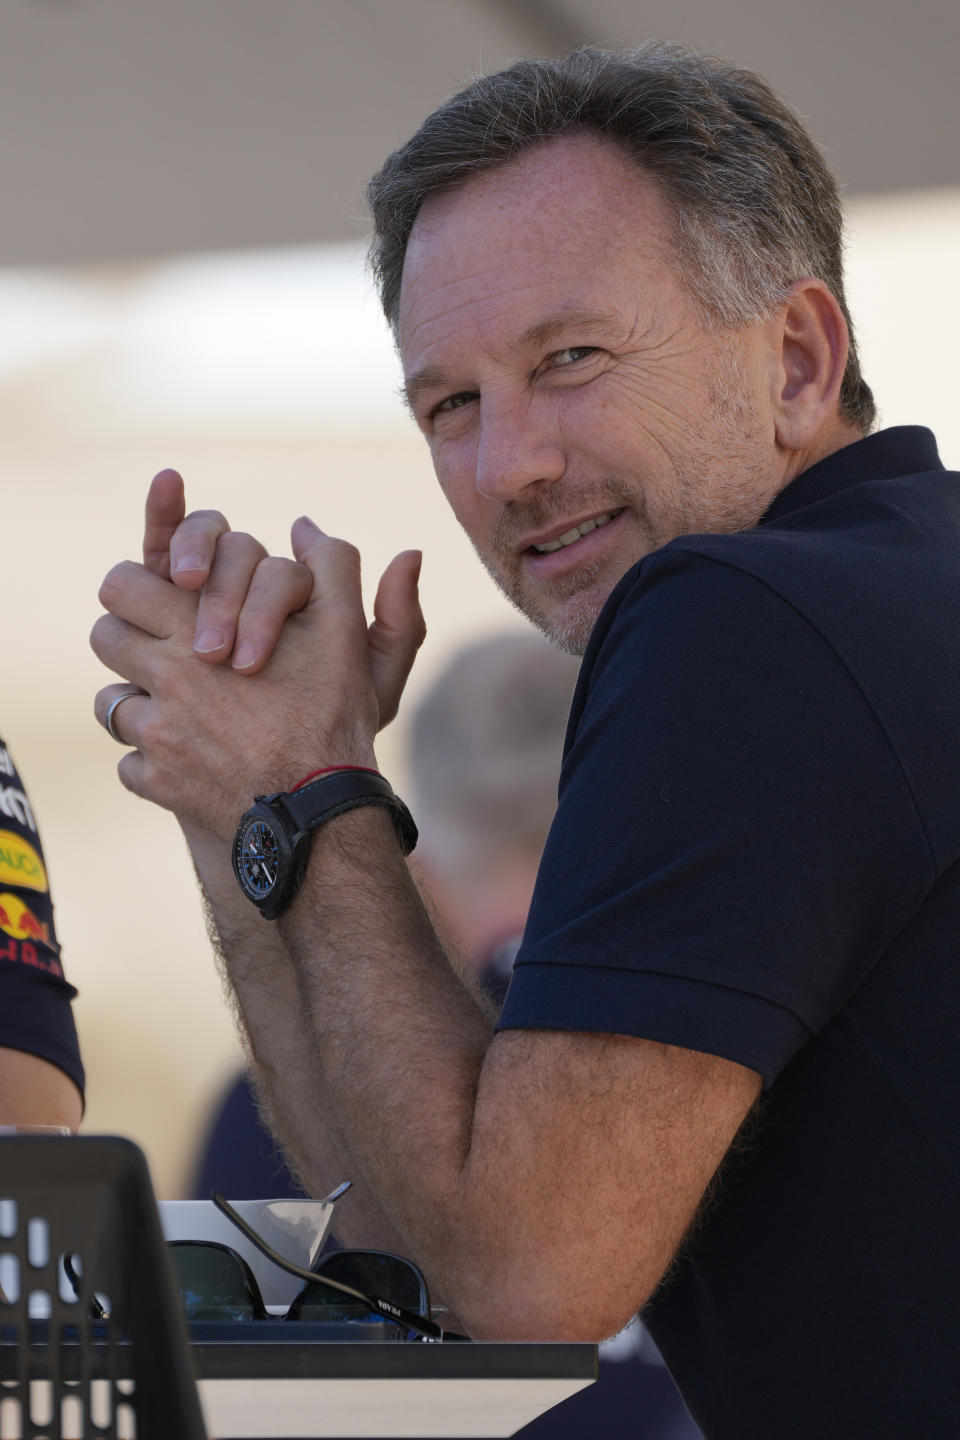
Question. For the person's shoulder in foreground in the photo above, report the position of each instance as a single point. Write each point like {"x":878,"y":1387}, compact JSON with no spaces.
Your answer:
{"x":41,"y":1074}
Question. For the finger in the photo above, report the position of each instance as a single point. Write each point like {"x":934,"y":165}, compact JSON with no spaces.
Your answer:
{"x":138,"y":595}
{"x":125,"y":650}
{"x":165,"y":510}
{"x":125,"y":713}
{"x":335,"y":568}
{"x":136,"y":774}
{"x":222,"y":597}
{"x":396,"y":632}
{"x":279,"y":588}
{"x":130,"y":771}
{"x":193,"y":548}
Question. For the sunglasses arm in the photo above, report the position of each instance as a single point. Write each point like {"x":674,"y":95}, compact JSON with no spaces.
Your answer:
{"x":397,"y":1313}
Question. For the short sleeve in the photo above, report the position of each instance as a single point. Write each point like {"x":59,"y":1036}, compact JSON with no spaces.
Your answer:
{"x":36,"y":1013}
{"x":735,"y":843}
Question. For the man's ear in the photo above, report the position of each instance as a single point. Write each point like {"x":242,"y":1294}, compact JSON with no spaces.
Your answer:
{"x":812,"y":344}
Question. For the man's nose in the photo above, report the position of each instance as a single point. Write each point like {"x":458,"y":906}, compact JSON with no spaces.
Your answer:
{"x":519,"y":445}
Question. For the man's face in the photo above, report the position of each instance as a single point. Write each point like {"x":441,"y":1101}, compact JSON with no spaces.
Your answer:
{"x":578,"y":413}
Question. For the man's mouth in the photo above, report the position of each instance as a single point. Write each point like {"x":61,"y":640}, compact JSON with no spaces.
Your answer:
{"x":570,"y":537}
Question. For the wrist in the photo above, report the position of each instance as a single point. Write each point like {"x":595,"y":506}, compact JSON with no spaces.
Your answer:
{"x":272,"y":844}
{"x":332,"y":770}
{"x":209,"y":852}
{"x":284,"y":775}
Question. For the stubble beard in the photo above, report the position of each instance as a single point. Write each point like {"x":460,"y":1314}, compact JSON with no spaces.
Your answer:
{"x":723,"y":483}
{"x":570,"y":630}
{"x":578,"y":596}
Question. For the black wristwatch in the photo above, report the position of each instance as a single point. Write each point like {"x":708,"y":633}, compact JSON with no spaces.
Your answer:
{"x":272,"y":844}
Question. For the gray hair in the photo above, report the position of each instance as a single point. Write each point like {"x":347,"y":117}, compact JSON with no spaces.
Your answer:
{"x":485,"y":747}
{"x":755,"y":206}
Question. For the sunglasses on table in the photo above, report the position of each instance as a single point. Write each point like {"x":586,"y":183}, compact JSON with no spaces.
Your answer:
{"x":215,"y":1283}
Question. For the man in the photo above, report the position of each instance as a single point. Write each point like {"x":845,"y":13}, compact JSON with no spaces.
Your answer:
{"x":616,"y":286}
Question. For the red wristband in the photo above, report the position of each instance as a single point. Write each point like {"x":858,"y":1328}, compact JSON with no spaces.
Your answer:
{"x":328,"y":770}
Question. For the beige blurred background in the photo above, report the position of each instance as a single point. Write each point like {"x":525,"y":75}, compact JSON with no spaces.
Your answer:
{"x":181,"y":283}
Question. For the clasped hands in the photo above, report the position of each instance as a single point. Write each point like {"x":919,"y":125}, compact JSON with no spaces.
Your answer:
{"x":256,"y":669}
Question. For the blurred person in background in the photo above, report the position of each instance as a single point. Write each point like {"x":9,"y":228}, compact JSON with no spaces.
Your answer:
{"x":616,"y":283}
{"x":485,"y":747}
{"x":485,"y":743}
{"x":41,"y":1074}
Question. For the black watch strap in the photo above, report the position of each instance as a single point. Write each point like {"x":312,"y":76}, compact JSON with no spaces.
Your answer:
{"x":322,"y":799}
{"x":272,"y":844}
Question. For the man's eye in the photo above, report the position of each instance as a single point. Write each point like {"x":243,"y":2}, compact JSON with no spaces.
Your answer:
{"x":453,"y":402}
{"x":572,"y":354}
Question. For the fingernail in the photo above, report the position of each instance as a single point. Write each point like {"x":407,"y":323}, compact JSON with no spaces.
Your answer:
{"x":189,"y":562}
{"x":211,"y":639}
{"x":244,"y":655}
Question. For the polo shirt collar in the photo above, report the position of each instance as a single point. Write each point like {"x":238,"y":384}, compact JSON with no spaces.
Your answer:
{"x":901,"y":450}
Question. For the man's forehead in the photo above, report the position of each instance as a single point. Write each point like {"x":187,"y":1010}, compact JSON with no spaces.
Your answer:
{"x":556,"y":219}
{"x":568,"y":175}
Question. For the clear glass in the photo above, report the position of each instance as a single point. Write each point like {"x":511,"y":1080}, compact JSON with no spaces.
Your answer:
{"x":35,"y":1130}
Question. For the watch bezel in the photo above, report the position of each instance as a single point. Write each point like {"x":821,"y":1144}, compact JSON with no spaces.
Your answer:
{"x":273,"y":901}
{"x":293,"y":817}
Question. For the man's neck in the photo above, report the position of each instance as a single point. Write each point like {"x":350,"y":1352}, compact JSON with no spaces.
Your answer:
{"x":829,"y":440}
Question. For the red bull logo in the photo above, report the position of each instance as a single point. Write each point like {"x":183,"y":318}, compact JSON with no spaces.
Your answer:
{"x":18,"y":920}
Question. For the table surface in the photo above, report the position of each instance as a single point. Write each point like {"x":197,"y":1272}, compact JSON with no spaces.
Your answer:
{"x":251,"y":1391}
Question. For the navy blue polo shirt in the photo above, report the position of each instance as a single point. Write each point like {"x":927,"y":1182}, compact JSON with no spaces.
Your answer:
{"x":756,"y":854}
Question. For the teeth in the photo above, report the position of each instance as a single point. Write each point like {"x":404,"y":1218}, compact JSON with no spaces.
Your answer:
{"x":572,"y":535}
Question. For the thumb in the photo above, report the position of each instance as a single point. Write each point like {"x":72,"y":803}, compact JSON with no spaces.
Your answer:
{"x":396,"y":632}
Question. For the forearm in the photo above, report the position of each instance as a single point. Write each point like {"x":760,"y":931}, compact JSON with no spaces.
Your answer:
{"x":399,"y":1037}
{"x":262,"y":983}
{"x":518,"y":1166}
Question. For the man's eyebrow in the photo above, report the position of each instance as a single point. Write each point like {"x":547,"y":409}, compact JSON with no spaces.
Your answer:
{"x":434,"y":377}
{"x":431,"y":377}
{"x":553,"y":326}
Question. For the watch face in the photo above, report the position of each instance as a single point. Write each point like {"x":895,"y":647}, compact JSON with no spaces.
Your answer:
{"x":256,"y":857}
